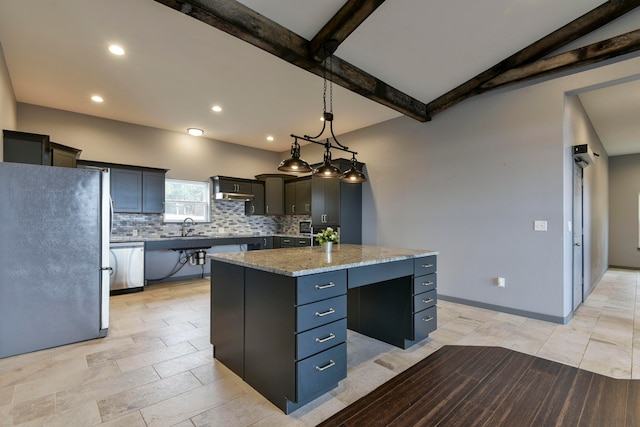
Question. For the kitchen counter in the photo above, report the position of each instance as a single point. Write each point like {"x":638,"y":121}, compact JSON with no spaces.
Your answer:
{"x":296,"y":262}
{"x":279,"y":318}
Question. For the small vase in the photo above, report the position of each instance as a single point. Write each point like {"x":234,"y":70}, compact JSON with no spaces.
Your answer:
{"x":328,"y":247}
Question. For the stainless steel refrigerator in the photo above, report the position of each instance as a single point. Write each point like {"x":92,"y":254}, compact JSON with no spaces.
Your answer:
{"x":54,"y":256}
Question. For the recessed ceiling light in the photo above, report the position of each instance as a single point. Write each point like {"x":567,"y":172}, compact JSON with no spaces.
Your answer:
{"x":195,"y":131}
{"x":216,"y":108}
{"x":116,"y":50}
{"x":270,"y":138}
{"x":97,"y":98}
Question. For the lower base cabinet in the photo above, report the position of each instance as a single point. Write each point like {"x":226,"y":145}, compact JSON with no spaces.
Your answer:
{"x":286,"y":336}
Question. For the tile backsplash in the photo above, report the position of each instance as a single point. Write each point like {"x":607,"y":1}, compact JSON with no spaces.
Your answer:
{"x":226,"y":217}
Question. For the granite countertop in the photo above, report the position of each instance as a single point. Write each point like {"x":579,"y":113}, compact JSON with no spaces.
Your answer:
{"x":311,"y":260}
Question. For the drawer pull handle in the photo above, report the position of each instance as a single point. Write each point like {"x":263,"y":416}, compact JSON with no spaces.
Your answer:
{"x":428,"y":319}
{"x":327,"y":366}
{"x":325,"y":313}
{"x":325,"y":339}
{"x":427,"y":283}
{"x":328,"y":285}
{"x":427,"y":301}
{"x":427,"y":265}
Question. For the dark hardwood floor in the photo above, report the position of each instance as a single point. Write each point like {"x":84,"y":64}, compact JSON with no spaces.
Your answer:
{"x":494,"y":386}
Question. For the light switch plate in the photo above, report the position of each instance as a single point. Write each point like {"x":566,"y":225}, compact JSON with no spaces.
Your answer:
{"x":539,"y":225}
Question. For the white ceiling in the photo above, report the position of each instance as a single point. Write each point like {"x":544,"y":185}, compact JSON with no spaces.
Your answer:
{"x":176,"y":68}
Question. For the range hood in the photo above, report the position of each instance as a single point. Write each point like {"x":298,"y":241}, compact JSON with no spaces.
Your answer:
{"x":232,"y":196}
{"x":226,"y":188}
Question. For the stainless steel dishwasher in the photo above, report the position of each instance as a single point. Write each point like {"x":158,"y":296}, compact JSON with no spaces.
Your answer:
{"x":127,"y":263}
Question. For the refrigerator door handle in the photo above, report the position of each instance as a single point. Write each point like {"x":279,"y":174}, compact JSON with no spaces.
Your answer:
{"x":105,"y":267}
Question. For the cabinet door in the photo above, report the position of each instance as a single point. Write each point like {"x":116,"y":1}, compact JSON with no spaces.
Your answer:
{"x":22,"y":147}
{"x":332,"y":201}
{"x":290,"y":203}
{"x":152,"y":192}
{"x":274,"y":196}
{"x":317,"y":201}
{"x":325,"y":201}
{"x":126,"y":190}
{"x":256,"y":206}
{"x":303,"y":197}
{"x":62,"y":158}
{"x":235,"y":186}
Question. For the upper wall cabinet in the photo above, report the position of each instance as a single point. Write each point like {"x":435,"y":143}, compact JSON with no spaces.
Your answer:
{"x":297,"y":196}
{"x":273,"y":192}
{"x":134,"y":189}
{"x":63,"y":156}
{"x":153,"y":191}
{"x":23,"y":147}
{"x":256,"y":205}
{"x":36,"y":149}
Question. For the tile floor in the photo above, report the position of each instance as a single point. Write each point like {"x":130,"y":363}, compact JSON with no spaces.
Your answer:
{"x":156,"y":369}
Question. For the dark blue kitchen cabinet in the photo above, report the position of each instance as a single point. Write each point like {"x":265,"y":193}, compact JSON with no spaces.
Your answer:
{"x":126,"y":190}
{"x":153,"y":191}
{"x":134,"y":189}
{"x":304,"y":353}
{"x":23,"y":147}
{"x":297,"y":196}
{"x":255,"y":206}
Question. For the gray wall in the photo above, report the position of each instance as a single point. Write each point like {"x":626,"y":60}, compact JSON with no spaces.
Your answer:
{"x":624,"y":187}
{"x":187,"y":157}
{"x":579,"y":130}
{"x":471,"y":182}
{"x":8,"y":115}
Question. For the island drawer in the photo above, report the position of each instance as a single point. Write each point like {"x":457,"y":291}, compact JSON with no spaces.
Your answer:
{"x":321,"y":338}
{"x":424,"y":265}
{"x":425,"y":283}
{"x":316,"y":287}
{"x":424,"y":323}
{"x":321,"y":372}
{"x":424,"y":300}
{"x":316,"y":314}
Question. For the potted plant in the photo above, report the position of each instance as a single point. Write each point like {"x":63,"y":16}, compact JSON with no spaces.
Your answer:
{"x":327,"y":238}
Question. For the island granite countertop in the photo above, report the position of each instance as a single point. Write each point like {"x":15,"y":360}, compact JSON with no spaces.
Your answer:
{"x":311,"y":260}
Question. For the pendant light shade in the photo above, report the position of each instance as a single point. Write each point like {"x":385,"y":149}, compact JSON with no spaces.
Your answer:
{"x":327,"y":170}
{"x":295,"y":163}
{"x":353,"y":175}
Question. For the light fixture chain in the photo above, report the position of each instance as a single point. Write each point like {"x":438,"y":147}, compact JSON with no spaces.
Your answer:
{"x":330,"y":83}
{"x":324,"y":89}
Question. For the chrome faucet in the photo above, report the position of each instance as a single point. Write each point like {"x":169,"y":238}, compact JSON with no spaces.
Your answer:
{"x":187,"y":226}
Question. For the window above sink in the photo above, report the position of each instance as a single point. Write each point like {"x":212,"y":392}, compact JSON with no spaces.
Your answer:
{"x":187,"y":199}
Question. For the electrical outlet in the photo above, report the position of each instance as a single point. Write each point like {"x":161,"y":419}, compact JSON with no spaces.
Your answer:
{"x":539,"y":225}
{"x":135,"y":232}
{"x":220,"y":230}
{"x":499,"y":281}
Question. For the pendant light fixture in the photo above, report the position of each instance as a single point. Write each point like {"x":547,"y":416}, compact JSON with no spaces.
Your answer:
{"x":327,"y":169}
{"x":295,"y":163}
{"x":353,"y":175}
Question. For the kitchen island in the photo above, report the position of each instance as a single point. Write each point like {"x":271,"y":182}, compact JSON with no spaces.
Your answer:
{"x":279,"y":318}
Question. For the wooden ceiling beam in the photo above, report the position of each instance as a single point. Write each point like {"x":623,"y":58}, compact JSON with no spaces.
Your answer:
{"x":343,"y":23}
{"x":579,"y":27}
{"x":587,"y":55}
{"x":246,"y":24}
